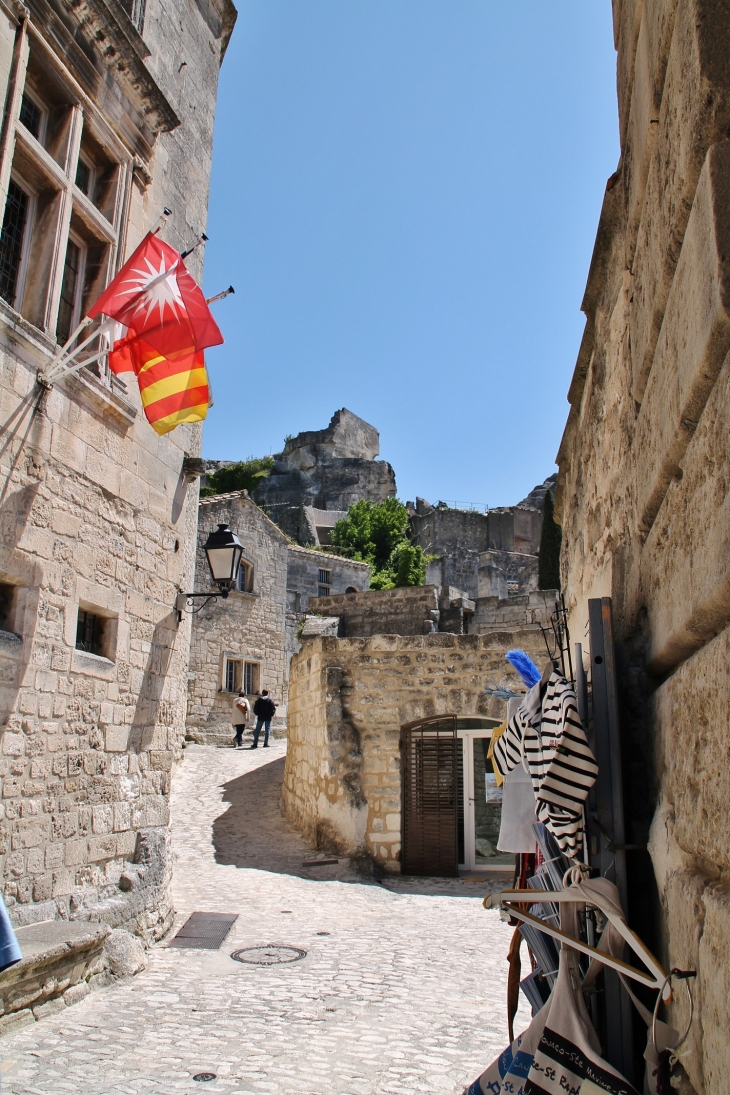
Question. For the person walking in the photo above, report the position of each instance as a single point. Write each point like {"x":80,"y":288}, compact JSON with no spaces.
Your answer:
{"x":241,"y":715}
{"x":264,"y":710}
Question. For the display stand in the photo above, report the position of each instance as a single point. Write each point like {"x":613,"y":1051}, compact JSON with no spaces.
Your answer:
{"x":597,"y":696}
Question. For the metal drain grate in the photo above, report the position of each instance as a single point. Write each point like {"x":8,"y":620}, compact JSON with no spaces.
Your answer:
{"x":272,"y":954}
{"x":204,"y":931}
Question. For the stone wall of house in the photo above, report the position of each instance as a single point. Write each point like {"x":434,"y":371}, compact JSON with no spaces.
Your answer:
{"x":257,"y":625}
{"x":458,"y":538}
{"x":643,"y":493}
{"x":349,"y":698}
{"x":303,"y":570}
{"x":97,"y":512}
{"x":247,"y":625}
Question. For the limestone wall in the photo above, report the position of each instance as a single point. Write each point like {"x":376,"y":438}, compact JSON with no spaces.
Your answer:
{"x":348,"y":699}
{"x":643,"y":481}
{"x":459,"y":537}
{"x":97,"y":513}
{"x":413,"y":610}
{"x":303,"y":569}
{"x":248,"y":626}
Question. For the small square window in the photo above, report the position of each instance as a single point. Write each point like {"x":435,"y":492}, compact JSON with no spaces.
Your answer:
{"x":7,"y":607}
{"x":90,"y":633}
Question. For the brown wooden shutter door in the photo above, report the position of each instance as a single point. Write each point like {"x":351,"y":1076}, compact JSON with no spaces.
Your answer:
{"x":429,"y":790}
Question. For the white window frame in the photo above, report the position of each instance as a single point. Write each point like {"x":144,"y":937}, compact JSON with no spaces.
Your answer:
{"x":232,"y":659}
{"x":109,"y":227}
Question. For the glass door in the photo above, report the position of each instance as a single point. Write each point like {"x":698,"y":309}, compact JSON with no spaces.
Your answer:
{"x":480,"y":800}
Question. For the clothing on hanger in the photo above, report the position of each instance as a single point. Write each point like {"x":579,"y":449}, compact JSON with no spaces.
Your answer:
{"x":496,"y":734}
{"x":518,"y":813}
{"x":547,"y":733}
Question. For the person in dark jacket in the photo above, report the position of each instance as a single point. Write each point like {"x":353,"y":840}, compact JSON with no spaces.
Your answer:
{"x":264,"y":710}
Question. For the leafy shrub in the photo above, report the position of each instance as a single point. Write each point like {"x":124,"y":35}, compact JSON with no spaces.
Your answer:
{"x":243,"y":475}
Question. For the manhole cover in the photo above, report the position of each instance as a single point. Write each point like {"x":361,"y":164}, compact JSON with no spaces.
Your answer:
{"x":274,"y":954}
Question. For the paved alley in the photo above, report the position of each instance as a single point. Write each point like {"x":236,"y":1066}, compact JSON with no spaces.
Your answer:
{"x":402,"y":989}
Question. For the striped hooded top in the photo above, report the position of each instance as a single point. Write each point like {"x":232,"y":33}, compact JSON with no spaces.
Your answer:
{"x":548,"y":737}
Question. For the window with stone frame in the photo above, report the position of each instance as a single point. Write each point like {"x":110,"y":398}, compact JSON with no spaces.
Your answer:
{"x":244,"y":578}
{"x":91,"y":633}
{"x":66,"y":204}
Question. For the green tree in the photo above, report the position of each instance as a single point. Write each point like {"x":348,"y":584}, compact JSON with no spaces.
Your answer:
{"x":408,"y":564}
{"x":548,"y":566}
{"x":377,"y":533}
{"x":243,"y":475}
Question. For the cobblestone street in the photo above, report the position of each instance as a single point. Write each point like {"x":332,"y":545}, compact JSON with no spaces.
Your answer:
{"x":402,"y":988}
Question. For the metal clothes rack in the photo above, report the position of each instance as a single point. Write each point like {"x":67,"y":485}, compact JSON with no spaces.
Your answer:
{"x":605,"y":847}
{"x":597,"y":695}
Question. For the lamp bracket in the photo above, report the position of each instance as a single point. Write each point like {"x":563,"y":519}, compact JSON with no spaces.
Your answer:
{"x":186,"y":601}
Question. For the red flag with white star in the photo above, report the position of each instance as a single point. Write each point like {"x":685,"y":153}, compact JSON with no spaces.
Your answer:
{"x":156,"y":297}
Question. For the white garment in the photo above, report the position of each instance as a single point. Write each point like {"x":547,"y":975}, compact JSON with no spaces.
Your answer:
{"x":518,"y":806}
{"x":518,"y":813}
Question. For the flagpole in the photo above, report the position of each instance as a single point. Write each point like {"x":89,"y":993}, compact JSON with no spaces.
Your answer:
{"x":219,"y":296}
{"x":57,"y":366}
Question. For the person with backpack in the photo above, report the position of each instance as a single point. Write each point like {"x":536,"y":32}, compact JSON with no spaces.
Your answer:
{"x":241,"y":715}
{"x":264,"y":710}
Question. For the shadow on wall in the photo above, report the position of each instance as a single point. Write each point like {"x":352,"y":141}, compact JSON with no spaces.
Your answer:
{"x":152,"y":710}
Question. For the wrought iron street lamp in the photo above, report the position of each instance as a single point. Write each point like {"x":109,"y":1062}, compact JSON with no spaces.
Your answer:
{"x":223,"y":550}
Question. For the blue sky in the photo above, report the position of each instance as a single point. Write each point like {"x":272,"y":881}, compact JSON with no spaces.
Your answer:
{"x":405,"y":195}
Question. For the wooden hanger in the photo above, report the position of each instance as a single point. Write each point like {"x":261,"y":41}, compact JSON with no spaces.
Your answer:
{"x":514,"y":901}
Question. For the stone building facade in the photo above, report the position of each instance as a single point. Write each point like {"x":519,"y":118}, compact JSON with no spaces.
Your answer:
{"x":108,"y":119}
{"x":643,"y":495}
{"x":248,"y":639}
{"x":412,"y":610}
{"x":348,"y":701}
{"x":473,"y":549}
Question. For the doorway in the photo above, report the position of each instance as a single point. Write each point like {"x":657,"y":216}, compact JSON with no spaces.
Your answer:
{"x":480,"y":800}
{"x":451,"y":805}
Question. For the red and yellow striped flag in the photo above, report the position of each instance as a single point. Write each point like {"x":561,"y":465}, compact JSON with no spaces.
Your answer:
{"x":164,"y":326}
{"x":173,"y":389}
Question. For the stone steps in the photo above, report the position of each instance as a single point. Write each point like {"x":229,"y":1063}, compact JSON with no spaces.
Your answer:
{"x":61,"y":960}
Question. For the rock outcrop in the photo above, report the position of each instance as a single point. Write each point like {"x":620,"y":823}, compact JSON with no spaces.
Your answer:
{"x":321,"y":473}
